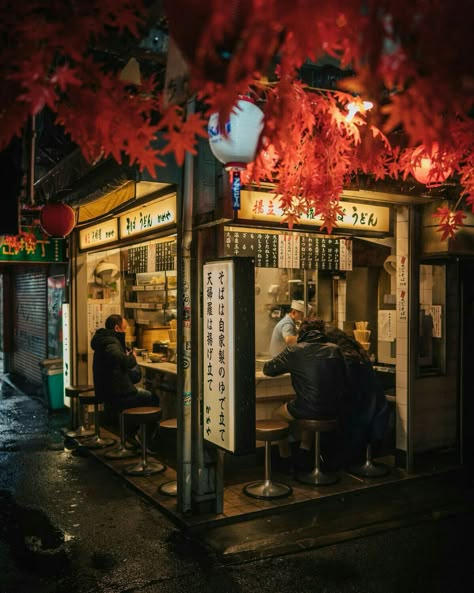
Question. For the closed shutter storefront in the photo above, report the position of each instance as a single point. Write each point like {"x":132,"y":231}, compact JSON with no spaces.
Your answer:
{"x":31,"y":322}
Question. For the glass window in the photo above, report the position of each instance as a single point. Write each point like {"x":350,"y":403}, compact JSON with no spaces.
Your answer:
{"x":431,"y":325}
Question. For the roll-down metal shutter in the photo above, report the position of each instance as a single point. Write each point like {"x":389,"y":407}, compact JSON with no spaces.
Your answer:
{"x":31,"y":323}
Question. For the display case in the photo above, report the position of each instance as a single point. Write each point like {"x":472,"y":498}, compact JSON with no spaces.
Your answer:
{"x":150,"y":305}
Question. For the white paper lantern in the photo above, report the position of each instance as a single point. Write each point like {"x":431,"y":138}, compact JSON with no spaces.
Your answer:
{"x":242,"y":132}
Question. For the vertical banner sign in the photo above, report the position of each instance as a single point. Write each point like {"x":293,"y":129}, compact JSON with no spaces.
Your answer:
{"x":66,"y":350}
{"x":229,"y":354}
{"x":219,"y":326}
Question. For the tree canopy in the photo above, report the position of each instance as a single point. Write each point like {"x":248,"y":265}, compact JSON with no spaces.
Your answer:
{"x":410,"y":58}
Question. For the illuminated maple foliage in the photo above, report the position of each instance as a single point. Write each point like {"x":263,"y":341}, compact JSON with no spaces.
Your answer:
{"x":410,"y":58}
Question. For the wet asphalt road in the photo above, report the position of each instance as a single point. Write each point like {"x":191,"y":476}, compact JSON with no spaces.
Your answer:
{"x":117,"y":543}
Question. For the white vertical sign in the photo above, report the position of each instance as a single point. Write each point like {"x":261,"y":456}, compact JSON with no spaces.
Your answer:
{"x":66,"y":350}
{"x":218,"y":348}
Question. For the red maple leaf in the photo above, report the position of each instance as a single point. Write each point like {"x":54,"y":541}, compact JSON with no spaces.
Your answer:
{"x":65,"y":76}
{"x":449,"y":221}
{"x":182,"y":134}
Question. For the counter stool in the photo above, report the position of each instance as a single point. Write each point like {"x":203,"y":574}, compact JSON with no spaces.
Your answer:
{"x":82,"y":399}
{"x":369,"y":469}
{"x":317,"y":477}
{"x":96,"y":441}
{"x":169,"y":488}
{"x":121,"y":452}
{"x":144,"y":416}
{"x":269,"y":431}
{"x":73,"y":392}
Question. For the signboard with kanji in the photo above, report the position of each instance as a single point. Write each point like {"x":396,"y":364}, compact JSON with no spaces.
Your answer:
{"x":31,"y":245}
{"x":278,"y":249}
{"x":229,"y":354}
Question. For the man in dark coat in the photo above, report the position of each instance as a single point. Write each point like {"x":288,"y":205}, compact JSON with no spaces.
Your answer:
{"x":318,"y":376}
{"x":112,"y":368}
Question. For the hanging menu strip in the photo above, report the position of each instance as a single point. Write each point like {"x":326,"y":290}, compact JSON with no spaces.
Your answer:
{"x":290,"y":250}
{"x":156,"y":257}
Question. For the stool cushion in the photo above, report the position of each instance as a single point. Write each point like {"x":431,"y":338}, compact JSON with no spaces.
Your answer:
{"x":321,"y":425}
{"x":271,"y":430}
{"x":75,"y":390}
{"x":169,"y":424}
{"x":144,"y":415}
{"x":87,"y":398}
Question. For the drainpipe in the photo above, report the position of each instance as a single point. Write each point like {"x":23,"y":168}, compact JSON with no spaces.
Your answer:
{"x":184,"y":376}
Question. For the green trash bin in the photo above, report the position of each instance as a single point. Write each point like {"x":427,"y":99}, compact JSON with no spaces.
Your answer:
{"x":53,"y":382}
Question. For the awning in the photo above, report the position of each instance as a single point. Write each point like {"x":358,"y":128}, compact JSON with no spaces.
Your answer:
{"x":117,"y":200}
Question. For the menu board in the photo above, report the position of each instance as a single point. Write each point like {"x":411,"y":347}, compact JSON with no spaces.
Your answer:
{"x":138,"y":259}
{"x":165,"y":256}
{"x":290,"y":250}
{"x":155,"y":257}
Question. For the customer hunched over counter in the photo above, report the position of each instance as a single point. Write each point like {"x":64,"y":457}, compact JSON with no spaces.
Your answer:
{"x":113,"y":368}
{"x":319,"y":378}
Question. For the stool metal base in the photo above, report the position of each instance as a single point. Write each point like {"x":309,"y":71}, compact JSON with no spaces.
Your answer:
{"x":169,"y":488}
{"x":370,"y":470}
{"x":317,"y":478}
{"x":97,"y":442}
{"x":266,"y":489}
{"x":147,"y":468}
{"x":121,"y":453}
{"x":80,"y":433}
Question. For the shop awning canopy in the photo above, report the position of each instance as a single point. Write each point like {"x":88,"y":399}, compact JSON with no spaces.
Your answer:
{"x":117,"y":199}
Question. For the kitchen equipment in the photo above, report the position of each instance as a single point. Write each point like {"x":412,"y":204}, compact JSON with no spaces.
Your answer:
{"x":160,"y":348}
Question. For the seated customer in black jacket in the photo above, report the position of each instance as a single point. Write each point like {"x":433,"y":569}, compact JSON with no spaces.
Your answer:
{"x":112,"y":370}
{"x":318,"y":376}
{"x":368,"y":418}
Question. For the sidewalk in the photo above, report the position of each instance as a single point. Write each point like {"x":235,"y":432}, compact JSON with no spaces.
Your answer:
{"x":309,"y":518}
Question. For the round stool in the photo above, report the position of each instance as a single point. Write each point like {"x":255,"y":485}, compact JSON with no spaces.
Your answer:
{"x":317,"y":477}
{"x":269,"y":431}
{"x":169,"y":488}
{"x":82,"y":399}
{"x":121,"y":452}
{"x":73,"y":392}
{"x":96,"y":441}
{"x":144,"y":416}
{"x":369,"y":469}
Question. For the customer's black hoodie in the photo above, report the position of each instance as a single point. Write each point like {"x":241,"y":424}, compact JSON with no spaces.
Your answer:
{"x":111,"y":365}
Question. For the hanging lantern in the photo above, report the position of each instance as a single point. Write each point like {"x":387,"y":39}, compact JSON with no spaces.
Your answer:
{"x":57,"y":219}
{"x":424,"y":171}
{"x":238,"y":146}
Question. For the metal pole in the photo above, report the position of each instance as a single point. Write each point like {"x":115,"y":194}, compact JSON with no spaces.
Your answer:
{"x":183,"y":404}
{"x":31,"y":160}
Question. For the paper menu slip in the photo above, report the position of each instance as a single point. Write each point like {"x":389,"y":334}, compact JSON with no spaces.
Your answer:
{"x":386,"y":326}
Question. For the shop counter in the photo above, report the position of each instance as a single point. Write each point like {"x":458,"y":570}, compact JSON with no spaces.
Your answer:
{"x":271,"y":392}
{"x":160,"y":379}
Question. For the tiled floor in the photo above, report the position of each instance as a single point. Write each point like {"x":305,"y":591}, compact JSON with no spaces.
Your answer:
{"x":236,"y":503}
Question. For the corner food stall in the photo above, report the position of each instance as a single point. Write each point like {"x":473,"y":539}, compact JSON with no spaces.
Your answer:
{"x":356,"y":279}
{"x":127,"y":264}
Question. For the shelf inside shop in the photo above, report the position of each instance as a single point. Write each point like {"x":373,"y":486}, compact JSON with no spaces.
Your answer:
{"x":152,"y":306}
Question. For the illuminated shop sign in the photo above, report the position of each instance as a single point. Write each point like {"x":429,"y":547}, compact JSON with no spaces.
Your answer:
{"x":218,"y":330}
{"x":31,"y":245}
{"x":99,"y":234}
{"x":264,"y":207}
{"x":148,"y":217}
{"x":229,"y":355}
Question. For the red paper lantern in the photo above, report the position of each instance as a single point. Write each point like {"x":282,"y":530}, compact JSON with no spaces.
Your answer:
{"x":57,"y":219}
{"x":424,"y":170}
